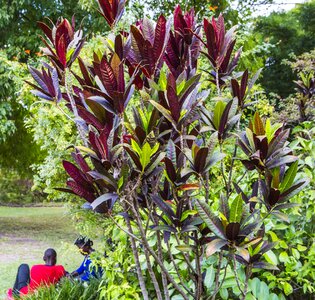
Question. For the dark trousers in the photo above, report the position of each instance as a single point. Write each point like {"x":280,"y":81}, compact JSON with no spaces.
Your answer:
{"x":22,"y":278}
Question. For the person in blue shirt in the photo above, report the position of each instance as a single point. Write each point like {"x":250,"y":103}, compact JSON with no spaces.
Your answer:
{"x":86,"y":271}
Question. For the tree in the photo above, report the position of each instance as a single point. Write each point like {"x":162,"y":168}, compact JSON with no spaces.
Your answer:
{"x":18,"y":27}
{"x":18,"y":151}
{"x":290,"y":33}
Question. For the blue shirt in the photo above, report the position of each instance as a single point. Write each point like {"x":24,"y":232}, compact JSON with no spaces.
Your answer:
{"x":86,"y":272}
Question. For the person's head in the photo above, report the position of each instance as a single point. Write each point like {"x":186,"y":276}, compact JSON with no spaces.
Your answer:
{"x":50,"y":257}
{"x":84,"y":244}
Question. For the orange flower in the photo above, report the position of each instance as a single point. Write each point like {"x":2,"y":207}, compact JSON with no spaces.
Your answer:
{"x":39,"y":54}
{"x":213,"y":8}
{"x":27,"y":51}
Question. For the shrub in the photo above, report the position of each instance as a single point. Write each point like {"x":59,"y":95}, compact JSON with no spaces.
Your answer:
{"x":197,"y":186}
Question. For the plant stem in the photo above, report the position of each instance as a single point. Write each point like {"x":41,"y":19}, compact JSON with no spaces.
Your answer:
{"x":178,"y":271}
{"x":235,"y":273}
{"x":248,"y":274}
{"x":164,"y":279}
{"x":152,"y":275}
{"x":218,"y":288}
{"x":155,"y":256}
{"x":223,"y":175}
{"x":198,"y":291}
{"x":217,"y":81}
{"x":207,"y":187}
{"x":137,"y":262}
{"x":184,"y":255}
{"x":217,"y":276}
{"x":231,"y":170}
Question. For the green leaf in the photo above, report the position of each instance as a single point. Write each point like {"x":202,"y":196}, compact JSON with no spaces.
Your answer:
{"x":136,"y":147}
{"x":250,"y":137}
{"x":301,"y":248}
{"x":287,"y":288}
{"x":263,"y":291}
{"x":213,"y":223}
{"x":249,"y":296}
{"x":187,"y":213}
{"x":184,"y":248}
{"x":271,"y":257}
{"x":88,"y":151}
{"x":289,"y":177}
{"x":296,"y":253}
{"x":154,"y":164}
{"x":282,"y":216}
{"x":155,"y":148}
{"x":162,"y":81}
{"x":283,"y":257}
{"x":273,"y":297}
{"x":145,"y":155}
{"x":165,"y":112}
{"x":224,"y":294}
{"x":271,"y":129}
{"x":209,"y":279}
{"x":217,"y":113}
{"x":236,"y":209}
{"x":254,"y":286}
{"x":164,"y":228}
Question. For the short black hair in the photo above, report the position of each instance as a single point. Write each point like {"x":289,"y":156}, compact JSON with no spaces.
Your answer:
{"x":50,"y":253}
{"x":83,"y":241}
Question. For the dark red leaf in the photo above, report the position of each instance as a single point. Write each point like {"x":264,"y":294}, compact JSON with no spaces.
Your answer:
{"x":159,"y":40}
{"x":200,"y":159}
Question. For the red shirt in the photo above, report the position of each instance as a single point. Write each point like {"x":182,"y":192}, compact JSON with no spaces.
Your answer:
{"x":43,"y":275}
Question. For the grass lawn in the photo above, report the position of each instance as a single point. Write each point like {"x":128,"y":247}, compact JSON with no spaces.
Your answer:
{"x":26,"y":232}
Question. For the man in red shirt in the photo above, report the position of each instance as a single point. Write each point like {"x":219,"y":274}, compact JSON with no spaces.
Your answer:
{"x":40,"y":275}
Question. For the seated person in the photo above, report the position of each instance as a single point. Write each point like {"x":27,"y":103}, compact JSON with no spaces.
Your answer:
{"x":85,"y":272}
{"x":40,"y":275}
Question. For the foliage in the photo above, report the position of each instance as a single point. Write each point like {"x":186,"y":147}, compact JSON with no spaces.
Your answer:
{"x":233,"y":15}
{"x":52,"y":133}
{"x":20,"y":38}
{"x":69,"y":290}
{"x":149,"y":170}
{"x":289,"y":32}
{"x":304,"y":97}
{"x":17,"y":190}
{"x":17,"y":148}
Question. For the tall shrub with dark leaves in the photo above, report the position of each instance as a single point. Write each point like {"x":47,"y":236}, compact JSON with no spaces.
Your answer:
{"x":153,"y":163}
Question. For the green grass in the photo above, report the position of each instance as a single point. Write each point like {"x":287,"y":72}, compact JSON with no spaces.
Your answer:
{"x":26,"y":232}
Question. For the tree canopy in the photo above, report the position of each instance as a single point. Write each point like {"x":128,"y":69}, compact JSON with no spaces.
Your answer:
{"x":290,"y":32}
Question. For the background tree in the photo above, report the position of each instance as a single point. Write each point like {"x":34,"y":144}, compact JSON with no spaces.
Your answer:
{"x":291,"y":33}
{"x":18,"y":27}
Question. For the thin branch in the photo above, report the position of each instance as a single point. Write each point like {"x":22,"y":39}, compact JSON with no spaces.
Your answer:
{"x":137,"y":262}
{"x":178,"y":271}
{"x":184,"y":255}
{"x":236,"y":276}
{"x":159,"y":262}
{"x":198,"y":291}
{"x":248,"y":274}
{"x":124,"y":230}
{"x":223,"y":175}
{"x":217,"y":276}
{"x":164,"y":279}
{"x":221,"y":283}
